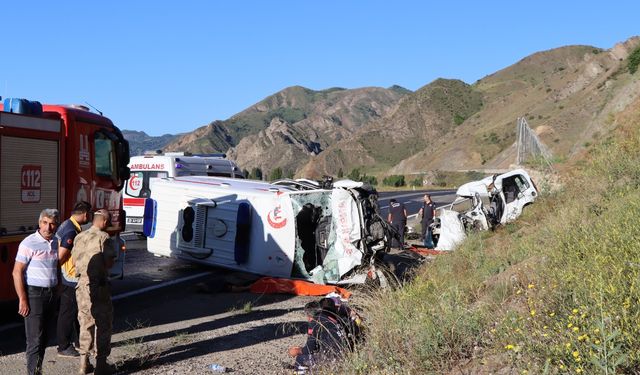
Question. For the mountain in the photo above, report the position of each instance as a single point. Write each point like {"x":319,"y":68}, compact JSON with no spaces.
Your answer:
{"x":420,"y":121}
{"x":566,"y":94}
{"x":139,"y":141}
{"x":287,"y":128}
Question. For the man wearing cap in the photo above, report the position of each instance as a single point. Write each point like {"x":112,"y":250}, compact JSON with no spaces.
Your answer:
{"x":93,"y":255}
{"x":35,"y":277}
{"x":68,"y":315}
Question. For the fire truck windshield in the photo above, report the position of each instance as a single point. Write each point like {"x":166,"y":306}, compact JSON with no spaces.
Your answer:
{"x":105,"y":157}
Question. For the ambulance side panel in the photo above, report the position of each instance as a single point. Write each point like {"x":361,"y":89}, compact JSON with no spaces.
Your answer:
{"x":239,"y":225}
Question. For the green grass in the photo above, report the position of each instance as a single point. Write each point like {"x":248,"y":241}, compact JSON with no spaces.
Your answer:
{"x":556,"y":292}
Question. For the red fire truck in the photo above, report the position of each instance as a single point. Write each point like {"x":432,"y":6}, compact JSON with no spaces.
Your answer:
{"x":52,"y":156}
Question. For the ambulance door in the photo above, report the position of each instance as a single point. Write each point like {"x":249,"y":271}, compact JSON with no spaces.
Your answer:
{"x":137,"y":190}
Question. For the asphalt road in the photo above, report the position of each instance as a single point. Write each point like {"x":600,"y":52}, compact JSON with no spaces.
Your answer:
{"x":412,"y":199}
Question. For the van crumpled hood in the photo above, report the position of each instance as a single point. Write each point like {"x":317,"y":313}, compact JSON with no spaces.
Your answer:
{"x":470,"y":189}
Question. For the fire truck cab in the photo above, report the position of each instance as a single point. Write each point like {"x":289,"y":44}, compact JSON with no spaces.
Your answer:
{"x":53,"y":156}
{"x":169,"y":164}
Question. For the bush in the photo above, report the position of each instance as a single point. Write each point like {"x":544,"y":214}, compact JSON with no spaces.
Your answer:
{"x":276,"y":174}
{"x":394,"y":180}
{"x":256,"y":174}
{"x":371,"y":180}
{"x":355,"y":175}
{"x":634,"y":61}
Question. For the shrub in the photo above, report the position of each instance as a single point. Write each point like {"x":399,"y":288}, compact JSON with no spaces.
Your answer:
{"x":371,"y":180}
{"x":394,"y":180}
{"x":256,"y":174}
{"x":634,"y":61}
{"x":276,"y":174}
{"x":417,"y":181}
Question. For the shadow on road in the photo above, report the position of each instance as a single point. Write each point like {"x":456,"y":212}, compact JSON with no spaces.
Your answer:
{"x":228,"y":321}
{"x":249,"y":337}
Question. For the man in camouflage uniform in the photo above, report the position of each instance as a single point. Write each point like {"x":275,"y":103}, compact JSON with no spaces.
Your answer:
{"x":93,"y":255}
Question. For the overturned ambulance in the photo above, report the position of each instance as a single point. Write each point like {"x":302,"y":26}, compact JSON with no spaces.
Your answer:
{"x":292,"y":230}
{"x":483,"y":205}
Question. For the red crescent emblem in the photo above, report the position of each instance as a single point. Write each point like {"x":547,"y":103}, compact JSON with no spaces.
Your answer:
{"x":275,"y":220}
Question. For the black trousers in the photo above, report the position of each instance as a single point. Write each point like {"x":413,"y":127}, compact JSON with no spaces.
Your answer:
{"x":68,"y":326}
{"x":39,"y":325}
{"x":399,"y":227}
{"x":427,"y":234}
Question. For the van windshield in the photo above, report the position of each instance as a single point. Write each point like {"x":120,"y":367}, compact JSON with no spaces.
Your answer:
{"x":138,"y":183}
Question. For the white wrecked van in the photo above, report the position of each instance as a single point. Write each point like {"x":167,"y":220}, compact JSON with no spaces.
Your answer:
{"x":323,"y":235}
{"x":483,"y":205}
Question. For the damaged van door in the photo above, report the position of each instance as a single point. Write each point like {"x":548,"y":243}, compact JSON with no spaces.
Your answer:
{"x":321,"y":235}
{"x":484,"y":204}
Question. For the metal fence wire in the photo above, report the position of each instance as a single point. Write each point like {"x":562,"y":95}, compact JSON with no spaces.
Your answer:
{"x":529,"y":145}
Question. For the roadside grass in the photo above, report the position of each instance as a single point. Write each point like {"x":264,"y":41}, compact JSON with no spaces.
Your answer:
{"x":140,"y":354}
{"x":239,"y":310}
{"x":556,"y":292}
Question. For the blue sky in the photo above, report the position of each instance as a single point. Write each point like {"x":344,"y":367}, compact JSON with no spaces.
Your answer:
{"x":169,"y":67}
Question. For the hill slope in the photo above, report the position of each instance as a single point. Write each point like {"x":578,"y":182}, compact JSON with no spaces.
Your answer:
{"x":285,"y":129}
{"x":139,"y":142}
{"x":566,"y":94}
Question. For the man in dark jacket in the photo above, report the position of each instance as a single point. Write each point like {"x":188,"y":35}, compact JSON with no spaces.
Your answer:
{"x":398,"y":219}
{"x":68,"y":326}
{"x":427,"y":213}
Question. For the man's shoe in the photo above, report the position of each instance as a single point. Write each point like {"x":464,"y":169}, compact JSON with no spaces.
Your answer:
{"x":103,"y":367}
{"x":70,"y":352}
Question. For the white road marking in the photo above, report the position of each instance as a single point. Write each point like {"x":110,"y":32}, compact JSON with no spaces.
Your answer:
{"x":158,"y":286}
{"x":9,"y":326}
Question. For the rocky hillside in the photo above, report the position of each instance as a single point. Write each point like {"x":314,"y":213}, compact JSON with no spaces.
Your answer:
{"x":567,"y":95}
{"x":286,"y":129}
{"x":139,"y":142}
{"x":420,"y":121}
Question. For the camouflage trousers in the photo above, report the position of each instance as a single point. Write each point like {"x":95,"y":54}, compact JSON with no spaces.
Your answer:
{"x":95,"y":315}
